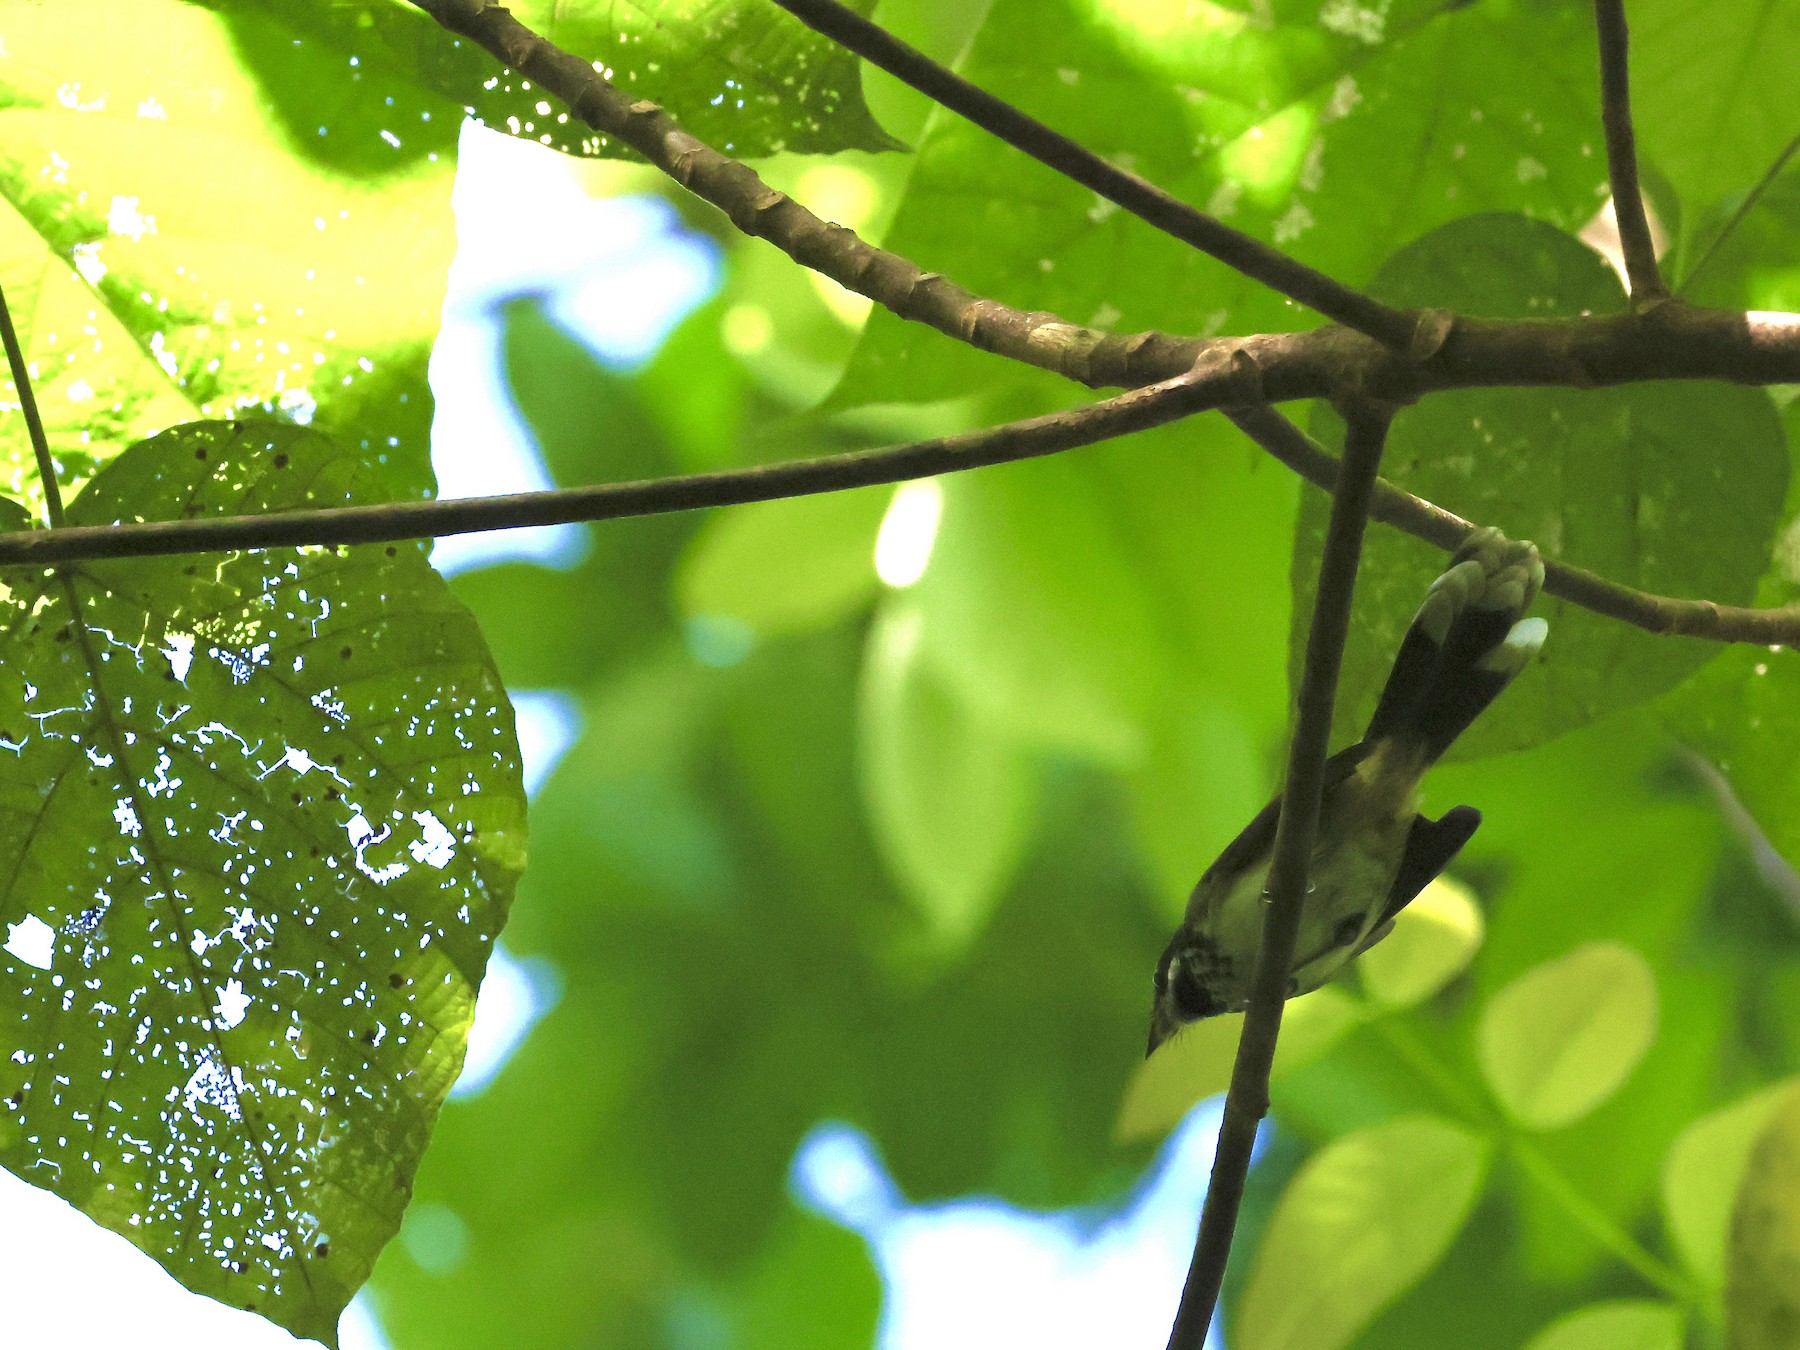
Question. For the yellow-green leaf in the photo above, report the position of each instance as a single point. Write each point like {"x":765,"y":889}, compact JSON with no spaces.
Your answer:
{"x":1561,"y":1038}
{"x":1433,"y":941}
{"x":1627,"y":1324}
{"x":1358,"y":1226}
{"x":1701,"y":1176}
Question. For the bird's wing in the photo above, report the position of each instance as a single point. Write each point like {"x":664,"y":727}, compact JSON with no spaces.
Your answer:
{"x":1430,"y":845}
{"x":1257,"y":839}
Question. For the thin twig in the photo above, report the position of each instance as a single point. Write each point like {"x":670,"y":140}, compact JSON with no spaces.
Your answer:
{"x":1425,"y":520}
{"x":1143,"y":199}
{"x":1136,"y":410}
{"x":1621,"y":155}
{"x":1247,"y":1101}
{"x":1744,"y":208}
{"x":1153,"y":405}
{"x":34,"y":425}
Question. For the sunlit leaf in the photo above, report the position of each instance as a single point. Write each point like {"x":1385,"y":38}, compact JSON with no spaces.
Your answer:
{"x":1702,"y":1174}
{"x":785,"y":566}
{"x":1358,"y":1226}
{"x":1561,"y":1038}
{"x":265,"y":817}
{"x":1710,"y":92}
{"x":1336,"y":132}
{"x":950,"y":801}
{"x":169,"y":256}
{"x":1434,"y":939}
{"x":1762,"y":1278}
{"x":1196,"y":1063}
{"x":1624,"y":1325}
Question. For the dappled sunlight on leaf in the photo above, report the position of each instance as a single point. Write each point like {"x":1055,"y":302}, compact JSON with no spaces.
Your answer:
{"x":270,"y":805}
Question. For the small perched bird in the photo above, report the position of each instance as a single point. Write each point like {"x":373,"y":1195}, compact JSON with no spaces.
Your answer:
{"x":1374,"y":851}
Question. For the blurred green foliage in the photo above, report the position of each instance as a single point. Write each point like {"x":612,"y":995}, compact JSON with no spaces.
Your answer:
{"x":828,"y":848}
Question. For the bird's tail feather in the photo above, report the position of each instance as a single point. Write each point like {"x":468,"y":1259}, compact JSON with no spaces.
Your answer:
{"x":1467,"y":642}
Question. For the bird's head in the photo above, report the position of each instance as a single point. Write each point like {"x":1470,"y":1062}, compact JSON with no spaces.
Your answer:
{"x":1187,"y":978}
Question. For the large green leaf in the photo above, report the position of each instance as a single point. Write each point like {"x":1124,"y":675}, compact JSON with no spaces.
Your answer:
{"x":167,"y":254}
{"x":1360,"y":1224}
{"x":1335,"y":140}
{"x":263,"y":815}
{"x":1670,"y":488}
{"x":1560,"y":1039}
{"x":744,"y":77}
{"x":1711,"y":92}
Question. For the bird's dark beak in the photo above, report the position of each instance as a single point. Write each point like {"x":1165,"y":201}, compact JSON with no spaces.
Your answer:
{"x":1161,"y":1028}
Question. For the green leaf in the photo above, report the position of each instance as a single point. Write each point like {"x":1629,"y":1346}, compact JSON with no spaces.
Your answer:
{"x":167,"y":254}
{"x":950,"y":802}
{"x":1560,"y":1039}
{"x":1334,"y":142}
{"x":1739,"y":713}
{"x":1434,"y":939}
{"x":1362,"y":1222}
{"x":1036,"y":615}
{"x":1196,"y":1064}
{"x":1762,"y":1282}
{"x":265,"y":817}
{"x":746,"y":78}
{"x":1702,"y":1174}
{"x":1626,"y":1324}
{"x":1671,"y":488}
{"x":1711,"y":95}
{"x":785,"y":566}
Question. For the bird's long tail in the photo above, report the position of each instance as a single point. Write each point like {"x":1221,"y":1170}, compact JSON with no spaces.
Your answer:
{"x":1467,"y":642}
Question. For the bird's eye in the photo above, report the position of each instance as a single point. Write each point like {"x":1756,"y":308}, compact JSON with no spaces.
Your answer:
{"x":1188,"y":991}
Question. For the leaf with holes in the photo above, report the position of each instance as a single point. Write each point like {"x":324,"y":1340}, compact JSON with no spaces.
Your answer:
{"x":262,"y":816}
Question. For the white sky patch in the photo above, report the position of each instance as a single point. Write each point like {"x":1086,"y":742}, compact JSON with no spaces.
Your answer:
{"x":32,"y":940}
{"x":123,"y":218}
{"x":435,"y":845}
{"x":908,"y":532}
{"x":232,"y":1005}
{"x":976,"y":1272}
{"x":362,"y":835}
{"x":87,"y":262}
{"x":211,"y":1084}
{"x":548,"y":721}
{"x":126,"y":816}
{"x":515,"y":993}
{"x":179,"y":648}
{"x":80,"y":391}
{"x":617,"y":272}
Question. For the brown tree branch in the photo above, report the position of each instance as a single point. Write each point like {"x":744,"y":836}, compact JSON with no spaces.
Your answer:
{"x":1621,"y":155}
{"x":1143,"y":199}
{"x":1093,"y":357}
{"x":1247,"y":1101}
{"x":1216,"y":382}
{"x":1425,"y":520}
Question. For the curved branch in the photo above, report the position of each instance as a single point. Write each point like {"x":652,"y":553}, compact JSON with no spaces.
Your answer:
{"x":1205,"y":387}
{"x":1425,"y":520}
{"x":1040,"y":339}
{"x":1621,"y":154}
{"x":1247,"y":1102}
{"x":1143,"y":199}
